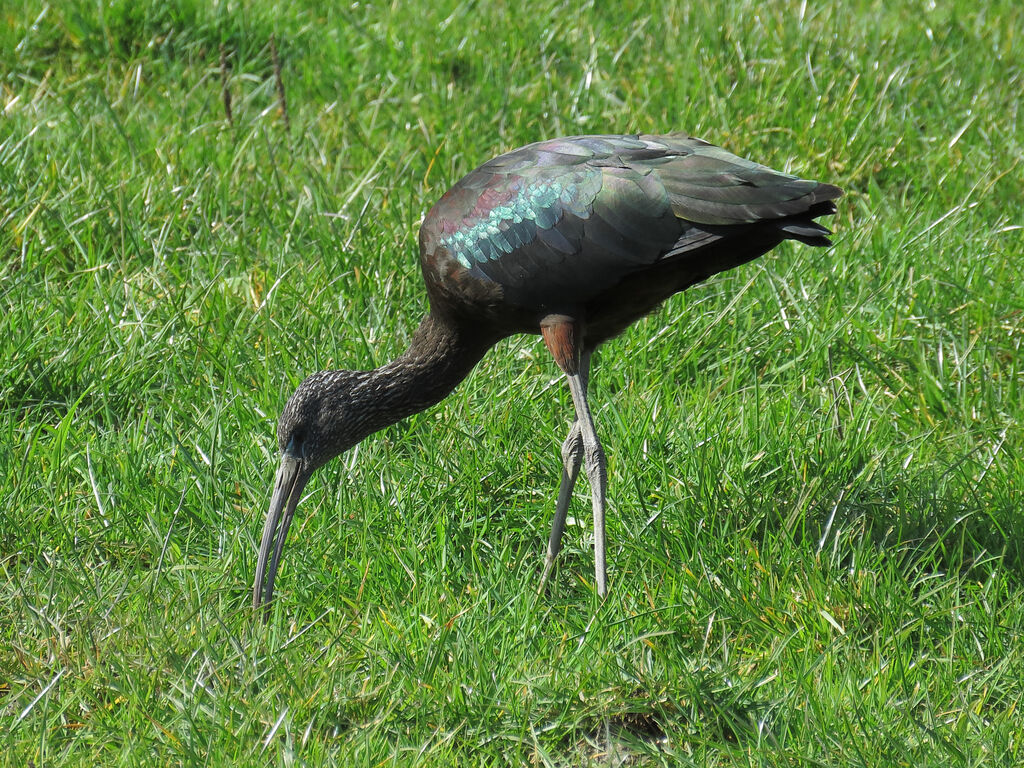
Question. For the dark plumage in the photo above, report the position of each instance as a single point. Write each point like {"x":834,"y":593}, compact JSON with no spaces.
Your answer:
{"x":574,"y":239}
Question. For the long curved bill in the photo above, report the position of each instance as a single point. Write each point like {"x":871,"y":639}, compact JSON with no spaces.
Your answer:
{"x":287,"y":490}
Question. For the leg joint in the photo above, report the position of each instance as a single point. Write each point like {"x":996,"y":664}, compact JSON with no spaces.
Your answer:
{"x":572,"y":448}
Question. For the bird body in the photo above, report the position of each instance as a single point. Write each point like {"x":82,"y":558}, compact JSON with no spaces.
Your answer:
{"x":604,"y":226}
{"x":574,"y":239}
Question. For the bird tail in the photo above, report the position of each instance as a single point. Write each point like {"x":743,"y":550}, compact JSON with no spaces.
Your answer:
{"x":804,"y":228}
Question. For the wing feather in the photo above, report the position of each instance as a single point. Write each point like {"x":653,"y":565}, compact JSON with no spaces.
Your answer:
{"x":558,"y":221}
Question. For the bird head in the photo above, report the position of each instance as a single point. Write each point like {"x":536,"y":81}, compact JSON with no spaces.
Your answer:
{"x":317,"y":424}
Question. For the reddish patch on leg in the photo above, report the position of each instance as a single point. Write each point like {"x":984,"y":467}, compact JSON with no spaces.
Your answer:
{"x":559,"y":332}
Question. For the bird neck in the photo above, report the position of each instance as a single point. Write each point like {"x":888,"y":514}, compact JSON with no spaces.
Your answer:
{"x":441,"y":354}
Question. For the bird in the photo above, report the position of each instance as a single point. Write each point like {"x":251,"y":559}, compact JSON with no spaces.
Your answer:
{"x":573,"y":239}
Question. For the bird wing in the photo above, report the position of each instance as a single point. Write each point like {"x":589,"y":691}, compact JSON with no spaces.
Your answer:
{"x":557,"y":222}
{"x":708,"y":185}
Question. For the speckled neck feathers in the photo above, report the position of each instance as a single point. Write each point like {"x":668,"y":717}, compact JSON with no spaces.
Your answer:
{"x":441,"y":355}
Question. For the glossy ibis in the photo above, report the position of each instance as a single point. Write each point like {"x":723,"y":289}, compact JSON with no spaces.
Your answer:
{"x":574,"y":239}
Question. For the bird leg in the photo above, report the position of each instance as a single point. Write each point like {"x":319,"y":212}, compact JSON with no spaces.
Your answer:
{"x":593,"y":455}
{"x":572,"y":457}
{"x":559,"y":334}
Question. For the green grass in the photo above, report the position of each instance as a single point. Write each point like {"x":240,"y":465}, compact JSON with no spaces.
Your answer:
{"x":816,"y":460}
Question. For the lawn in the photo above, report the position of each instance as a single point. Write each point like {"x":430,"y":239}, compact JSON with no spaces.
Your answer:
{"x":816,"y":461}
